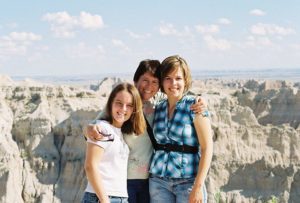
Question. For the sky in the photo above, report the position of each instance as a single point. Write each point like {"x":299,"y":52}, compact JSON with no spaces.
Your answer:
{"x":62,"y":38}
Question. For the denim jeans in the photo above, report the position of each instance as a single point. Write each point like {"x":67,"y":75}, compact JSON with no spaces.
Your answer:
{"x":138,"y":190}
{"x":92,"y":198}
{"x":172,"y":190}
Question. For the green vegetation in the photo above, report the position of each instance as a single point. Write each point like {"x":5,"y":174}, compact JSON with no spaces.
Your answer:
{"x":24,"y":154}
{"x":217,"y":196}
{"x":273,"y":199}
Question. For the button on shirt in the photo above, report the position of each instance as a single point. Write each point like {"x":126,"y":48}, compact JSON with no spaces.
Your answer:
{"x":178,"y":130}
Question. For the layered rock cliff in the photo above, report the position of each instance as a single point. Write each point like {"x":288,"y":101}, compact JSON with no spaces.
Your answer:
{"x":256,"y":128}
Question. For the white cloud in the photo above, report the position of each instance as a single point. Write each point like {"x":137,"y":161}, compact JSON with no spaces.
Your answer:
{"x":24,"y":36}
{"x":258,"y":42}
{"x":270,"y":29}
{"x":207,"y":29}
{"x":60,"y":18}
{"x":168,"y":29}
{"x":17,"y":43}
{"x":138,"y":36}
{"x":89,"y":21}
{"x":63,"y":25}
{"x":9,"y":48}
{"x":82,"y":50}
{"x":186,"y":31}
{"x":118,"y":43}
{"x":217,"y":44}
{"x":257,"y":12}
{"x":224,"y":21}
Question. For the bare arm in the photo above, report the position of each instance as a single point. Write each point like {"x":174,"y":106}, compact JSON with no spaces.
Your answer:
{"x":204,"y":133}
{"x":93,"y":157}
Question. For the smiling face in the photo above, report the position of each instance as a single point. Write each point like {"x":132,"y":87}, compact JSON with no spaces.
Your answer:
{"x":122,"y":108}
{"x":173,"y":84}
{"x":174,"y":67}
{"x":147,"y":85}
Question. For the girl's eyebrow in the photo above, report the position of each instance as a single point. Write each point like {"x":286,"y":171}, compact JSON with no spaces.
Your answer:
{"x":117,"y":100}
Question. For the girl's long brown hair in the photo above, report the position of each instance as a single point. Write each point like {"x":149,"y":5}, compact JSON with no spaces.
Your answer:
{"x":136,"y":124}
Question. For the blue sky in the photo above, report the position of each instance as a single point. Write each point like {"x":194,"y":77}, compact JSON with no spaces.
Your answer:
{"x":97,"y":37}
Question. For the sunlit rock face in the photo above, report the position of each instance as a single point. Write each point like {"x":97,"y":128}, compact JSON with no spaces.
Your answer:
{"x":255,"y":125}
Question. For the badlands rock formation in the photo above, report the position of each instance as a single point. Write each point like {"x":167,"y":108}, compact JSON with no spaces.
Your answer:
{"x":256,"y":128}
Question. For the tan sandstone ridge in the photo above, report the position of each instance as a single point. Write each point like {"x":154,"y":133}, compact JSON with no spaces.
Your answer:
{"x":256,"y":139}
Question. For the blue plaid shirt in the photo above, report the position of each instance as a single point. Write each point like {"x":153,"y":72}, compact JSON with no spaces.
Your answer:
{"x":178,"y":130}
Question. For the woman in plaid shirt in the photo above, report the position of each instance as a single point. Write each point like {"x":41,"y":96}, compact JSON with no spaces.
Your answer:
{"x":181,"y":162}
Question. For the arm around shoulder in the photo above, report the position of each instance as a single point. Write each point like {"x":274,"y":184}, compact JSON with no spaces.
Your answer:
{"x":92,"y":131}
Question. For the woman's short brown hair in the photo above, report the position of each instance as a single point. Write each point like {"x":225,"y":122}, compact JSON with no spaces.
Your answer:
{"x":147,"y":65}
{"x":172,"y":63}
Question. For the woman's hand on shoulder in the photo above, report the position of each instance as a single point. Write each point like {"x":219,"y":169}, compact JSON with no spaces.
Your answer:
{"x":92,"y":131}
{"x":200,"y":105}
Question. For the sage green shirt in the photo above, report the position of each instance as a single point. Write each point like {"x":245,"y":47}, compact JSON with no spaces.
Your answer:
{"x":140,"y":154}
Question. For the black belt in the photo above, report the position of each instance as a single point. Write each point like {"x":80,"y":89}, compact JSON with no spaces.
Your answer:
{"x":170,"y":147}
{"x":177,"y":148}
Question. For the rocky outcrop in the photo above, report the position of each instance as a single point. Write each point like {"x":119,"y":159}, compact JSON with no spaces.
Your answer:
{"x":42,"y":147}
{"x":273,"y":102}
{"x":256,"y":139}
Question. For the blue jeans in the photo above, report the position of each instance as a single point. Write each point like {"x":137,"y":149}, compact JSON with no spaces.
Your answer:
{"x":92,"y":198}
{"x":138,"y":191}
{"x":172,"y":190}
